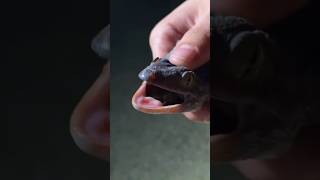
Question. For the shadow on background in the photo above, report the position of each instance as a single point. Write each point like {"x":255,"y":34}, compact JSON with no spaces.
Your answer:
{"x":53,"y":66}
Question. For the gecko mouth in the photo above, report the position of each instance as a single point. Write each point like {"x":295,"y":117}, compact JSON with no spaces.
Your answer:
{"x":156,"y":100}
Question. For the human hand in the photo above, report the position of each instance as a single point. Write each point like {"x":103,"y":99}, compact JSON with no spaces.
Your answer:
{"x":185,"y":34}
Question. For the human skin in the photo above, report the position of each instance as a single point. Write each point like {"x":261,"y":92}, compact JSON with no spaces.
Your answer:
{"x":188,"y":24}
{"x":185,"y":35}
{"x":301,"y":162}
{"x":89,"y":123}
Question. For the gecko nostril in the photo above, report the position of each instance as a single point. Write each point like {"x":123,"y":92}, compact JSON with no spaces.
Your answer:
{"x":145,"y":74}
{"x":142,"y":75}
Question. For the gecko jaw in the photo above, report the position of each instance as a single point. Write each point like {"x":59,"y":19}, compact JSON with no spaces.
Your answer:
{"x":150,"y":105}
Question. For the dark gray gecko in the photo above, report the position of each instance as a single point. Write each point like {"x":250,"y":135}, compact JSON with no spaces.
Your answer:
{"x":253,"y":94}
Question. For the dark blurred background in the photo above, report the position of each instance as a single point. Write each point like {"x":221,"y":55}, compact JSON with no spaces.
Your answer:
{"x":51,"y":67}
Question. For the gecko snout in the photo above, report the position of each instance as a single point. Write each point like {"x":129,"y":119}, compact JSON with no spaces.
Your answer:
{"x":146,"y":74}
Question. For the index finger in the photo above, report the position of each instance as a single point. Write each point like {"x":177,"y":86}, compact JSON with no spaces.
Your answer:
{"x":170,"y":30}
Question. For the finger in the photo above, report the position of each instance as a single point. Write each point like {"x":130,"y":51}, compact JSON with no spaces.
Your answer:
{"x":168,"y":31}
{"x":201,"y":115}
{"x":193,"y":50}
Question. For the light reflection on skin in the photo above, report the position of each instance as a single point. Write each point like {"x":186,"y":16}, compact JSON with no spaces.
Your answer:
{"x":89,"y":124}
{"x":90,"y":119}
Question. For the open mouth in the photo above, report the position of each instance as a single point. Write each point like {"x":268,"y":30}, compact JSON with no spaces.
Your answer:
{"x":155,"y":100}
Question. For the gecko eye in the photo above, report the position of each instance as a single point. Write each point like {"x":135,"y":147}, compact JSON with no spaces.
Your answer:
{"x":188,"y":77}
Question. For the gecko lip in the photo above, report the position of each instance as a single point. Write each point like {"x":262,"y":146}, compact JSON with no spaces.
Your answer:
{"x":145,"y":102}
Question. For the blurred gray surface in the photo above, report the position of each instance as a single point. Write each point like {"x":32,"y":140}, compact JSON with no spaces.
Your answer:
{"x":155,"y":147}
{"x":147,"y":147}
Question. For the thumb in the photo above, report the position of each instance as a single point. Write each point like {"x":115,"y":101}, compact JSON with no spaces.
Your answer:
{"x":193,"y":50}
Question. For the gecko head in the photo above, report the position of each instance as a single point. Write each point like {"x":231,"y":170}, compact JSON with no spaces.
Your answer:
{"x":169,"y":89}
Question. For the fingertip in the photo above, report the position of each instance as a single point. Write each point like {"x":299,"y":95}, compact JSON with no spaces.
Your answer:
{"x":184,"y":55}
{"x":202,"y":115}
{"x":160,"y":49}
{"x":163,"y":38}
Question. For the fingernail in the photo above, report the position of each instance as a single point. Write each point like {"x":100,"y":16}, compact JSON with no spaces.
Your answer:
{"x":183,"y":52}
